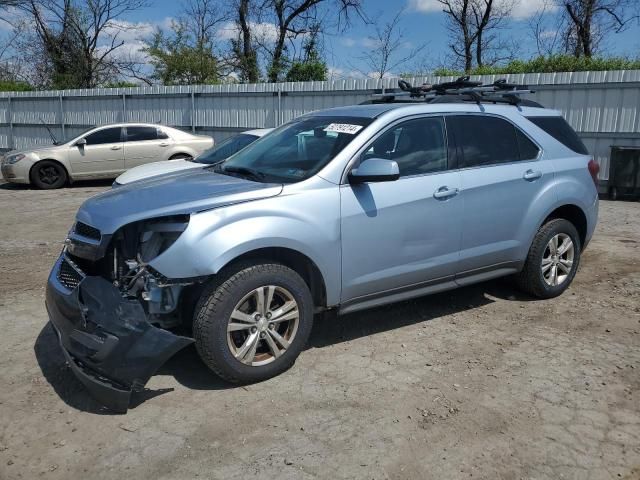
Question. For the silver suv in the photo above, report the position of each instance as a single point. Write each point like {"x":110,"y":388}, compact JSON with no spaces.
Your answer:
{"x":342,"y":209}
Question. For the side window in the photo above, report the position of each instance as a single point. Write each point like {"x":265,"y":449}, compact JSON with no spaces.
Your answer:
{"x":559,"y":129}
{"x":418,"y":146}
{"x":528,"y":149}
{"x":162,"y":135}
{"x":483,"y":140}
{"x":106,"y":135}
{"x":138,"y":134}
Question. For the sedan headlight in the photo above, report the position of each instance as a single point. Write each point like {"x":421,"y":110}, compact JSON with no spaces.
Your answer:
{"x":11,"y":159}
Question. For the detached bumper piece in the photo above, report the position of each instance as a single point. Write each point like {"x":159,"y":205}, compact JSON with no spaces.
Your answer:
{"x":106,"y":339}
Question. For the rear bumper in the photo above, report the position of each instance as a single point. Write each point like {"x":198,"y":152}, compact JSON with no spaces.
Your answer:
{"x":106,"y":339}
{"x":592,"y":220}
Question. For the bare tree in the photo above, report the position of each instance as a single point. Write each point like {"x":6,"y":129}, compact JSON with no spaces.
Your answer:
{"x":80,"y":38}
{"x":244,"y":47}
{"x":295,"y":18}
{"x":549,"y":31}
{"x":473,"y":26}
{"x":389,"y":49}
{"x":591,"y":20}
{"x":202,"y":19}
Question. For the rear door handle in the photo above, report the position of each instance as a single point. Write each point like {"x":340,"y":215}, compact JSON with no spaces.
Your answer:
{"x":445,"y":192}
{"x":531,"y":175}
{"x":116,"y":147}
{"x":164,"y":144}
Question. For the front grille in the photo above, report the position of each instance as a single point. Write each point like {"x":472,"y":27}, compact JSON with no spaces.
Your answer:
{"x":87,"y":231}
{"x":69,"y":276}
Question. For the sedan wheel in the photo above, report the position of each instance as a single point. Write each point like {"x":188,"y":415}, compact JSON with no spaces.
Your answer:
{"x":48,"y":174}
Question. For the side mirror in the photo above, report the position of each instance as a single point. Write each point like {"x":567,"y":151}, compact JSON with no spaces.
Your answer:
{"x":375,"y":170}
{"x":81,"y":142}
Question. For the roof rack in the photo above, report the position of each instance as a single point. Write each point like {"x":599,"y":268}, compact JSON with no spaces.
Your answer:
{"x":462,"y":90}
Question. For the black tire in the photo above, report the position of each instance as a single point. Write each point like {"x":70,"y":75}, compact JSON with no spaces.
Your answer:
{"x":179,"y":156}
{"x":48,"y":174}
{"x":531,"y":279}
{"x":613,"y":193}
{"x":213,"y":313}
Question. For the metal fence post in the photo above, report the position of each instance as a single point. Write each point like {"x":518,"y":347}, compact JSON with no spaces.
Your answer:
{"x":124,"y":107}
{"x":12,"y":139}
{"x":193,"y":111}
{"x":278,"y":118}
{"x":62,"y":115}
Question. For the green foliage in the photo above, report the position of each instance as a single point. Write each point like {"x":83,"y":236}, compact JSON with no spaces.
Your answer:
{"x":307,"y":71}
{"x":177,"y":60}
{"x":120,"y":84}
{"x":14,"y":86}
{"x":551,"y":64}
{"x":312,"y":67}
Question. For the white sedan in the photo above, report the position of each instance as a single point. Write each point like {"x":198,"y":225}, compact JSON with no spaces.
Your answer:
{"x":216,"y":154}
{"x":100,"y":152}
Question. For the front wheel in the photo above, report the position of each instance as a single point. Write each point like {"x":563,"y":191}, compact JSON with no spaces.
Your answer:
{"x":48,"y":174}
{"x":552,"y":261}
{"x":254,"y":324}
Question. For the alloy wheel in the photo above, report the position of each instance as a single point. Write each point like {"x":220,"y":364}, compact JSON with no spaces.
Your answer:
{"x":557,"y":260}
{"x":262,"y":325}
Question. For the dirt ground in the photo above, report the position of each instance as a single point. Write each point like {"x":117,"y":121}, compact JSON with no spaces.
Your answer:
{"x":481,"y":382}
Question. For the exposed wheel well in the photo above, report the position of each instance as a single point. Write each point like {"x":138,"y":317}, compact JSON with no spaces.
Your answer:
{"x":49,"y":160}
{"x":575,"y":215}
{"x":298,"y":262}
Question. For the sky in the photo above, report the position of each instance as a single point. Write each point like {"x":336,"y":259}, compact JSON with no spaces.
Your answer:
{"x":422,"y":23}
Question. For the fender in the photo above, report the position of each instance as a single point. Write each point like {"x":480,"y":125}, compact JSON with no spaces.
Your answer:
{"x":215,"y":238}
{"x":567,"y":191}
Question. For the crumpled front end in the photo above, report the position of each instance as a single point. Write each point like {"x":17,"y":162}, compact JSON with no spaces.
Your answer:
{"x":111,"y":311}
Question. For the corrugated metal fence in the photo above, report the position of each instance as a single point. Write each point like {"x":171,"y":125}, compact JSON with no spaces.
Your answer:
{"x":604,"y":107}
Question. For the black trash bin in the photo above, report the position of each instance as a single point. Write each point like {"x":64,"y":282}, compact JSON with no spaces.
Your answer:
{"x":624,"y":172}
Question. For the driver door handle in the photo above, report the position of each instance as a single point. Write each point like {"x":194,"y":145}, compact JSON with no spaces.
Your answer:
{"x":445,"y":192}
{"x":116,"y":147}
{"x":531,"y":175}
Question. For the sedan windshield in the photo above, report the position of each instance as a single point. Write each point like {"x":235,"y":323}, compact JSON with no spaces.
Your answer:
{"x":295,"y":151}
{"x":226,"y":148}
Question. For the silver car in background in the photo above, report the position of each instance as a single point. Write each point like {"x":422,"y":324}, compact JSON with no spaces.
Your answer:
{"x":218,"y":153}
{"x":100,"y":152}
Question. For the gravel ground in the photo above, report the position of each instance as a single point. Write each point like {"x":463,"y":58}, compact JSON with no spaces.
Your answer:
{"x":481,"y":382}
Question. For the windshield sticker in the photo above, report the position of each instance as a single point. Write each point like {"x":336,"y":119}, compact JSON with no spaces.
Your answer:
{"x":343,"y":128}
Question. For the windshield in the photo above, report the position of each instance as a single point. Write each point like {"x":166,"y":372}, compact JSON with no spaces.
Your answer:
{"x":225,"y":149}
{"x":75,"y":135}
{"x":296,"y":151}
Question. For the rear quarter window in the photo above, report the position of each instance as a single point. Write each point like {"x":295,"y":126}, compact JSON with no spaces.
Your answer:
{"x":559,"y":129}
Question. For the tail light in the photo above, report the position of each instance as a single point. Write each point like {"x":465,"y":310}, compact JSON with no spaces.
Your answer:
{"x":594,"y":169}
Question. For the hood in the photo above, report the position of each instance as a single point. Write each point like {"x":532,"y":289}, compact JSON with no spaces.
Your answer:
{"x":34,"y":149}
{"x":176,"y":193}
{"x":155,"y":168}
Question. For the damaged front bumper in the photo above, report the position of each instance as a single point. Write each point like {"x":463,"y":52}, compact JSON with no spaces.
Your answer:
{"x":108,"y":342}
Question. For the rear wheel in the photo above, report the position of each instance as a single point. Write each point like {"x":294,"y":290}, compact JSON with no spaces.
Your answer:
{"x":254,"y":324}
{"x":48,"y":174}
{"x":553,"y":260}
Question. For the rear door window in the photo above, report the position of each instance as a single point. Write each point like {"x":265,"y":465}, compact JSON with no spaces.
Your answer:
{"x":483,"y":140}
{"x":528,"y":149}
{"x":139,"y":134}
{"x":106,"y":135}
{"x":559,"y":129}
